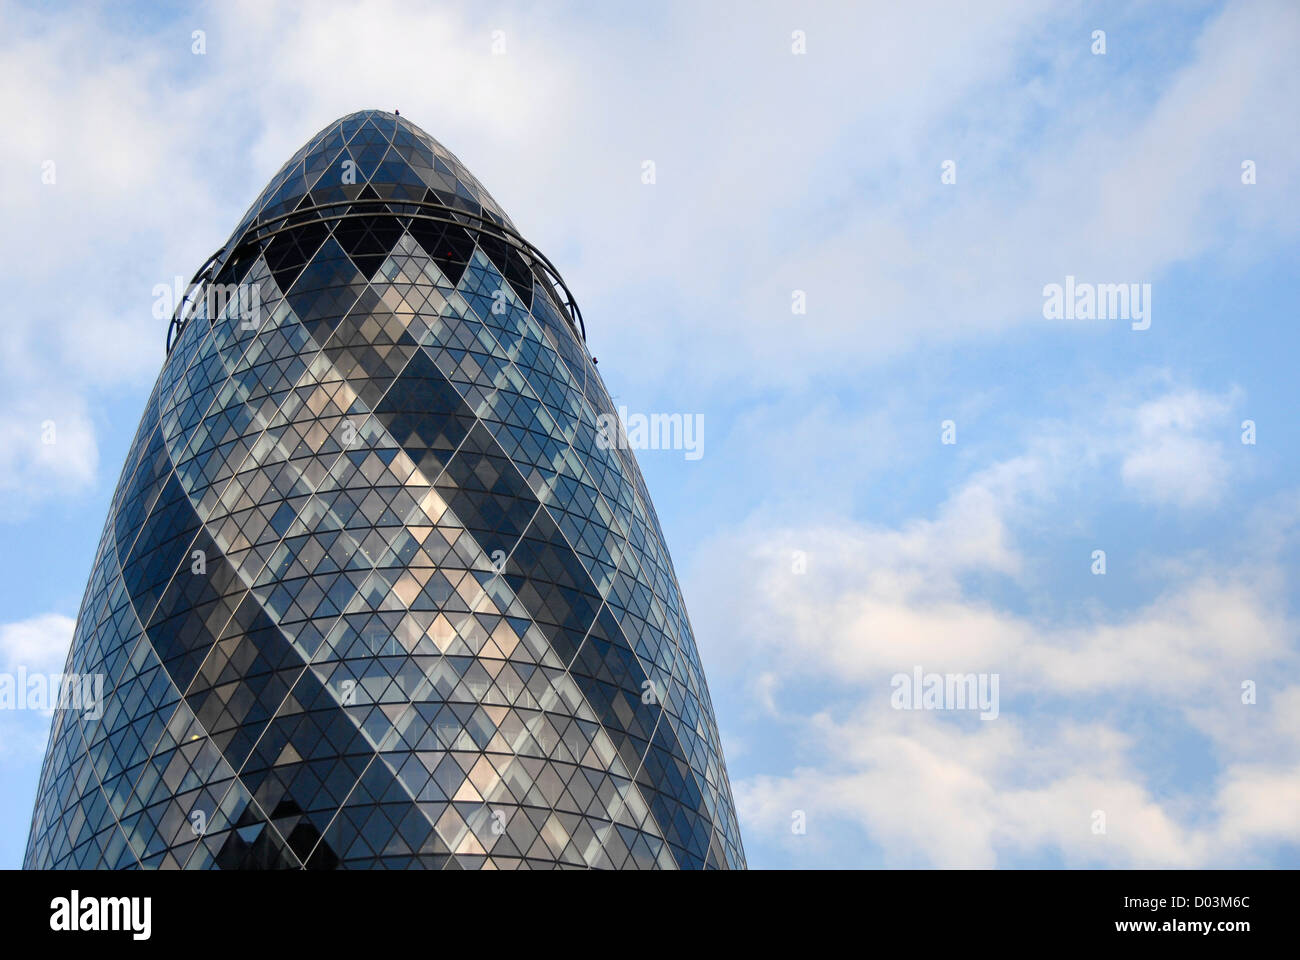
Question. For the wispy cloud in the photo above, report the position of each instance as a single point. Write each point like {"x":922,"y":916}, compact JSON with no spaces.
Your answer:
{"x":813,"y":621}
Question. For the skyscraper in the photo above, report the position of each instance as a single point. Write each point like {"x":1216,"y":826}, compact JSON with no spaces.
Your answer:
{"x":372,"y":592}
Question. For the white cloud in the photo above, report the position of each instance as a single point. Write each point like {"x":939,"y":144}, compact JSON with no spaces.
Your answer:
{"x":725,"y":175}
{"x":39,"y":644}
{"x":1111,"y":188}
{"x":951,"y":789}
{"x":928,"y":791}
{"x":875,"y":602}
{"x":764,"y":186}
{"x":128,"y":206}
{"x":47,"y":448}
{"x":1168,"y":460}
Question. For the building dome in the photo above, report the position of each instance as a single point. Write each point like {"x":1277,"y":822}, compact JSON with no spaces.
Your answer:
{"x":370,"y":593}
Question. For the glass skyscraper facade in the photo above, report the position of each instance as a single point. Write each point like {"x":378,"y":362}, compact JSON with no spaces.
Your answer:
{"x":372,"y":593}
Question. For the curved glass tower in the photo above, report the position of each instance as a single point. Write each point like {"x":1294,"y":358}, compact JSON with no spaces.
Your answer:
{"x":372,"y":593}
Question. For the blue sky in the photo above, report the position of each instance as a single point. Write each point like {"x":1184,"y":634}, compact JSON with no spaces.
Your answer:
{"x":776,"y":172}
